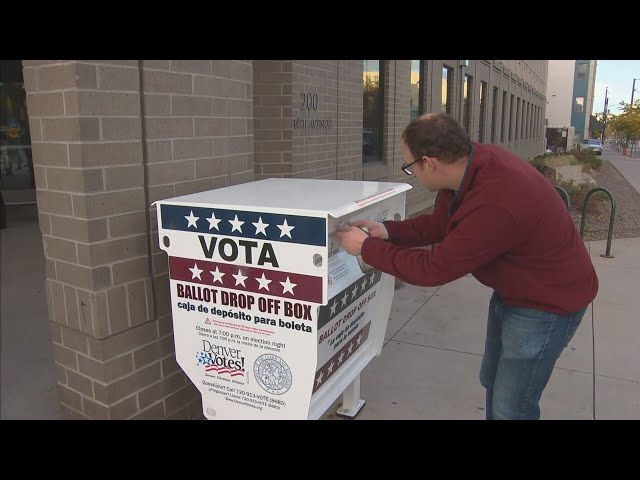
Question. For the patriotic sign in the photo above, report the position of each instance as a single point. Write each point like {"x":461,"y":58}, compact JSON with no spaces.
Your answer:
{"x":343,"y":325}
{"x":246,"y":287}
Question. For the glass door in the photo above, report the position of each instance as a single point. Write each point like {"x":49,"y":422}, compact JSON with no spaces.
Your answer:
{"x":17,"y":182}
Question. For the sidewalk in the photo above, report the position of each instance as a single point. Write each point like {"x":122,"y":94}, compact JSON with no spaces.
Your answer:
{"x":628,"y":167}
{"x":28,"y":375}
{"x":429,"y":365}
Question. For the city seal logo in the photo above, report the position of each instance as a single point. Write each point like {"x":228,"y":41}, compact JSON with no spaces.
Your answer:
{"x":272,"y":374}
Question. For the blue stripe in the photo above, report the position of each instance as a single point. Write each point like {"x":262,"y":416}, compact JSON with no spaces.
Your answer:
{"x":307,"y":231}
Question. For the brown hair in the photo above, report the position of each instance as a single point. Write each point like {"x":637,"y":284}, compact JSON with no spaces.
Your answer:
{"x":437,"y":135}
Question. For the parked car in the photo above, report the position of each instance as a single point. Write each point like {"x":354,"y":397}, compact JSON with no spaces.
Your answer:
{"x":592,"y":144}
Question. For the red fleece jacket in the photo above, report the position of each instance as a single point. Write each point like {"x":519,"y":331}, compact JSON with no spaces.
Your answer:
{"x":507,"y":226}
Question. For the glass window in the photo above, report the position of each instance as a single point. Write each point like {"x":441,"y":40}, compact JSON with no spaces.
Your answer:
{"x":416,"y":89}
{"x":581,"y":71}
{"x":16,"y":163}
{"x":494,"y":114}
{"x":447,"y":84}
{"x":467,"y":98}
{"x":522,"y":120}
{"x":503,"y":131}
{"x":483,"y":108}
{"x":511,"y":118}
{"x":373,"y":111}
{"x":579,"y":105}
{"x":518,"y":119}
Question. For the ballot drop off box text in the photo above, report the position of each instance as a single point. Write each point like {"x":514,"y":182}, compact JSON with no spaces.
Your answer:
{"x":271,"y":318}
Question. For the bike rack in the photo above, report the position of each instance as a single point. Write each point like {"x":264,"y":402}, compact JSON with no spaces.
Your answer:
{"x":612,"y":217}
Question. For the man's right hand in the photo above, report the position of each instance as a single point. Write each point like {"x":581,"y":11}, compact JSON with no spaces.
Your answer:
{"x":375,"y":229}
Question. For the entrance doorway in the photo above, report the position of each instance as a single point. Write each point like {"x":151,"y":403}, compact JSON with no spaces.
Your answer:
{"x":17,"y":182}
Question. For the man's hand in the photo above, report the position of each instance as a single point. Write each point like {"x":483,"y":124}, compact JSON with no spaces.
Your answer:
{"x":351,"y":239}
{"x":376,"y":229}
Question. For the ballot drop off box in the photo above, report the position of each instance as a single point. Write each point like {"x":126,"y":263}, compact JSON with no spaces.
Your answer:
{"x":271,"y":318}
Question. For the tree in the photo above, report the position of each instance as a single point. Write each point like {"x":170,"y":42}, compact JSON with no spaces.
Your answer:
{"x":595,"y":125}
{"x":626,"y":126}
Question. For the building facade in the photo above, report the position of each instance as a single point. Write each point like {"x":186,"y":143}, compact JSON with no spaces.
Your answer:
{"x":570,"y":93}
{"x":108,"y":138}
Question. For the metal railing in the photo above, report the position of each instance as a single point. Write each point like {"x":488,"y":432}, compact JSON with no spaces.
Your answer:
{"x":612,"y":217}
{"x":565,"y":197}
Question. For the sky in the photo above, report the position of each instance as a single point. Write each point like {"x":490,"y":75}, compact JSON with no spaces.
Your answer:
{"x":618,"y":75}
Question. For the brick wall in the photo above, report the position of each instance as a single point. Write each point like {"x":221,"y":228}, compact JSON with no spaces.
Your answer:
{"x":349,"y":114}
{"x":272,"y":116}
{"x":314,"y":97}
{"x":315,"y":136}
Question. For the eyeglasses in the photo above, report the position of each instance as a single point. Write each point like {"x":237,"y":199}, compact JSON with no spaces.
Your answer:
{"x":405,"y":168}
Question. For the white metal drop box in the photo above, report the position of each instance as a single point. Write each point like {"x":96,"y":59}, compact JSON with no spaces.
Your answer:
{"x":272,"y":319}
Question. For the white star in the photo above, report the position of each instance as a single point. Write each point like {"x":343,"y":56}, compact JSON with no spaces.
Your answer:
{"x":288,"y":286}
{"x":350,"y":348}
{"x":236,"y":224}
{"x":340,"y":357}
{"x":364,"y":285}
{"x":359,"y":339}
{"x":330,"y":369}
{"x":213,"y":221}
{"x":195,"y":272}
{"x":344,"y":299}
{"x":239,"y":279}
{"x":355,"y":292}
{"x":333,"y":307}
{"x":372,"y":278}
{"x":217,"y":275}
{"x":264,"y":283}
{"x":261,"y":227}
{"x":319,"y":379}
{"x":193,"y":221}
{"x":285,"y":229}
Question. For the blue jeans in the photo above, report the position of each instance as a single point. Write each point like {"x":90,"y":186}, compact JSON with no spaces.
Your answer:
{"x":521,"y":349}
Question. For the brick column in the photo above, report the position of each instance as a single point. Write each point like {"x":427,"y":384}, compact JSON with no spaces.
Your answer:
{"x":272,"y":110}
{"x":113,"y":346}
{"x":87,"y":153}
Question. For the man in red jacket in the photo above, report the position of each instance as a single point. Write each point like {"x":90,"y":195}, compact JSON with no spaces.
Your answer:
{"x":502,"y":221}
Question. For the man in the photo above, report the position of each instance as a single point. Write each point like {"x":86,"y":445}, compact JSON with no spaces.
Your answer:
{"x":502,"y":221}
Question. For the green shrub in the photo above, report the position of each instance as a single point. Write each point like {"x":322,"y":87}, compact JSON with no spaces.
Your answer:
{"x":587,"y":157}
{"x":547,"y":171}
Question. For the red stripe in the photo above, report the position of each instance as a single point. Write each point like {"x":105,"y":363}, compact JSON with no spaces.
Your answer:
{"x":308,"y":288}
{"x":222,"y":369}
{"x":232,"y":373}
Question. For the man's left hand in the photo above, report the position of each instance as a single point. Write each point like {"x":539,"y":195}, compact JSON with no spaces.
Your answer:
{"x":351,"y":240}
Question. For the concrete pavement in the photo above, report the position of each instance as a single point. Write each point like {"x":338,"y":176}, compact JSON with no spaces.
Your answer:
{"x":27,"y":371}
{"x":628,"y":167}
{"x":430,"y":364}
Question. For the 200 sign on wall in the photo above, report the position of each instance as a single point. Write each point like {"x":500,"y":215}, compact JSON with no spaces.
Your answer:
{"x":309,"y":101}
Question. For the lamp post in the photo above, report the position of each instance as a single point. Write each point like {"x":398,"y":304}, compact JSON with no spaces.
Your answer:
{"x":604,"y":114}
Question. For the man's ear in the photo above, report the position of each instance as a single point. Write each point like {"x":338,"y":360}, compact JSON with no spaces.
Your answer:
{"x":429,"y":162}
